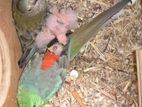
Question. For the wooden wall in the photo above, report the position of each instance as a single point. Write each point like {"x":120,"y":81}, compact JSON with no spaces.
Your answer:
{"x":12,"y":54}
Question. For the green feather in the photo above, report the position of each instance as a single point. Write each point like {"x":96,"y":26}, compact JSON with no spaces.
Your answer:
{"x":28,"y":98}
{"x":89,"y":30}
{"x":37,"y":83}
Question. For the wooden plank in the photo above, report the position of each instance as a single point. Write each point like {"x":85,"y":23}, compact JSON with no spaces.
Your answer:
{"x":139,"y":74}
{"x":11,"y":55}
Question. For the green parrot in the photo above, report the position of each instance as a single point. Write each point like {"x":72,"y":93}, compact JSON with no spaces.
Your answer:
{"x":40,"y":82}
{"x":44,"y":73}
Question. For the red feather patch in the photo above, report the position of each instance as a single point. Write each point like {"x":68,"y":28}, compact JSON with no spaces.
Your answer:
{"x":49,"y":59}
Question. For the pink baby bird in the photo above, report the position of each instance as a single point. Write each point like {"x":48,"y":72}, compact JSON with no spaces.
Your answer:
{"x":58,"y":29}
{"x":56,"y":26}
{"x":61,"y":21}
{"x":68,"y":17}
{"x":43,"y":38}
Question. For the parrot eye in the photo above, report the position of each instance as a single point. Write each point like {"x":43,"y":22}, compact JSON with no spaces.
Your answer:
{"x":54,"y":48}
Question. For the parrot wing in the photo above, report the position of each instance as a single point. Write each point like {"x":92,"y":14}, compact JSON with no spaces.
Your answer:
{"x":89,"y":30}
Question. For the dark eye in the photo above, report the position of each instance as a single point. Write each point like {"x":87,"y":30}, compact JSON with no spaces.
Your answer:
{"x":54,"y":48}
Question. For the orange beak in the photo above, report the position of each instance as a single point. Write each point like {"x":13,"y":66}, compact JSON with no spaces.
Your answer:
{"x":49,"y":59}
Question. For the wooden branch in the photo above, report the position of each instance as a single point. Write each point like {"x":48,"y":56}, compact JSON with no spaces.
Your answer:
{"x":139,"y":74}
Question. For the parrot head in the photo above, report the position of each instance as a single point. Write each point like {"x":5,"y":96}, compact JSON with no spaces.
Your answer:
{"x":51,"y":56}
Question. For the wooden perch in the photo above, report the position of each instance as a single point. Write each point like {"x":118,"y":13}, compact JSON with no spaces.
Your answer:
{"x":139,"y":74}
